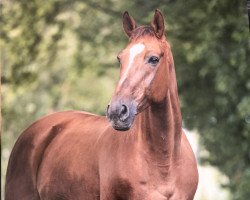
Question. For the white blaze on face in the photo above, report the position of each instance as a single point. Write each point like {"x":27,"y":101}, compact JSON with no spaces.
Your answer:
{"x":133,"y":52}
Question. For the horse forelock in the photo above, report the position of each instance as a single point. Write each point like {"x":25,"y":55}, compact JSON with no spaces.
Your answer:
{"x":142,"y":31}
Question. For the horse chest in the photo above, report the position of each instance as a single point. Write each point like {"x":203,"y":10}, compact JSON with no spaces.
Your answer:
{"x":140,"y":179}
{"x":123,"y":188}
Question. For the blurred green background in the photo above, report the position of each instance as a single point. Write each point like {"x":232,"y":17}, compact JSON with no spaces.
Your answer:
{"x":58,"y":55}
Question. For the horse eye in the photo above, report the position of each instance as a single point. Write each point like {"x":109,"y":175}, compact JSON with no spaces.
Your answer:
{"x":153,"y":60}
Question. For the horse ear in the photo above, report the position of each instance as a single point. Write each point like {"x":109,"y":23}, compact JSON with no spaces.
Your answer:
{"x":128,"y":23}
{"x":158,"y":24}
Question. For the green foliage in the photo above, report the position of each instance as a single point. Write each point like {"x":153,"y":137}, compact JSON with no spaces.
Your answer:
{"x":212,"y":51}
{"x":59,"y":55}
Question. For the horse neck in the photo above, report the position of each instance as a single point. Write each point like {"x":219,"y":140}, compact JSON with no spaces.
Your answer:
{"x":160,"y":124}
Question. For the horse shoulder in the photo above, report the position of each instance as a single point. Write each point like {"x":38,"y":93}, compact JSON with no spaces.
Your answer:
{"x":33,"y":144}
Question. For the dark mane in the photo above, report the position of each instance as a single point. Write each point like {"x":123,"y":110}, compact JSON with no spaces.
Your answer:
{"x":142,"y":31}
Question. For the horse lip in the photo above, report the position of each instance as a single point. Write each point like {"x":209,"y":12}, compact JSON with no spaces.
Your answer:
{"x":121,"y":128}
{"x":120,"y":125}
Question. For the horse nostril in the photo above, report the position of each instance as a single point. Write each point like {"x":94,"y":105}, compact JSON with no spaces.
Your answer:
{"x":107,"y":113}
{"x":124,"y":112}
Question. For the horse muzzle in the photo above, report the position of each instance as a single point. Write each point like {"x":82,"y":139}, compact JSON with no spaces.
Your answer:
{"x":121,"y":114}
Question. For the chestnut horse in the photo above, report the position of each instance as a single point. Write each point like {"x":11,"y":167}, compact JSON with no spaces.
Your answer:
{"x":80,"y":156}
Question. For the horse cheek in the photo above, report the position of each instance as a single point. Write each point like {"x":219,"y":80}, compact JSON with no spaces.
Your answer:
{"x":157,"y":91}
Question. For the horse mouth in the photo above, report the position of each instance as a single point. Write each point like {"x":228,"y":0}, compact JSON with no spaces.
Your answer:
{"x":118,"y":128}
{"x":121,"y":125}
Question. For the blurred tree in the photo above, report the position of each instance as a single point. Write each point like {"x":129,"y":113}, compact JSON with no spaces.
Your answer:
{"x":59,"y":55}
{"x":211,"y":49}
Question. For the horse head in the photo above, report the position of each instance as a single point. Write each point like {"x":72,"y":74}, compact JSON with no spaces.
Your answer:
{"x":144,"y":69}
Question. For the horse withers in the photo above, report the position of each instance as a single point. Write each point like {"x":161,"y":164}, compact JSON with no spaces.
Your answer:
{"x":139,"y":153}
